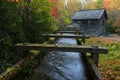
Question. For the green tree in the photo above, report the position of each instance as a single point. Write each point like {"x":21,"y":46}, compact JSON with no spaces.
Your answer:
{"x":42,"y":20}
{"x":11,"y":33}
{"x":22,"y":22}
{"x":99,"y":3}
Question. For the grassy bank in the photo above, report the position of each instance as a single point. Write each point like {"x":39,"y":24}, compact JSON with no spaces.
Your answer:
{"x":109,"y":64}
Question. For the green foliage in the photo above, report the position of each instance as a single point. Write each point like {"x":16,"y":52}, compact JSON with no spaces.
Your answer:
{"x":119,"y":32}
{"x":99,"y":3}
{"x":114,"y":50}
{"x":11,"y":32}
{"x":40,"y":19}
{"x":22,"y":22}
{"x":110,"y":28}
{"x":117,"y":68}
{"x":110,"y":62}
{"x":64,"y":19}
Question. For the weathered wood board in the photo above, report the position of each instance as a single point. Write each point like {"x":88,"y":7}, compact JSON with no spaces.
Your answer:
{"x":75,"y":32}
{"x":68,"y":48}
{"x":65,"y":36}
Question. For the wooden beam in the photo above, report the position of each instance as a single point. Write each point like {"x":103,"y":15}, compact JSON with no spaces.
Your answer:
{"x":68,"y":48}
{"x":70,"y":29}
{"x":65,"y":36}
{"x":74,"y":32}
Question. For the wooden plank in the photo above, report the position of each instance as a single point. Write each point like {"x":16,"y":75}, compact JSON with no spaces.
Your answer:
{"x":68,"y":29}
{"x":65,"y":36}
{"x":74,"y":32}
{"x":68,"y":48}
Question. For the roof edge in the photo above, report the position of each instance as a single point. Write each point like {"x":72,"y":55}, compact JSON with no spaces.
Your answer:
{"x":86,"y":19}
{"x":93,"y":9}
{"x":105,"y":12}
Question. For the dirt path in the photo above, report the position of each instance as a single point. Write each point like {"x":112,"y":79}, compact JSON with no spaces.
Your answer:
{"x":114,"y":39}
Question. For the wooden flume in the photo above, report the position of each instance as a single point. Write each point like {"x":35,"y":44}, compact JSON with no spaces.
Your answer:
{"x":93,"y":50}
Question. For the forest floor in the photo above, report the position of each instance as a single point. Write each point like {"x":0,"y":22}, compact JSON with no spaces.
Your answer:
{"x":109,"y":64}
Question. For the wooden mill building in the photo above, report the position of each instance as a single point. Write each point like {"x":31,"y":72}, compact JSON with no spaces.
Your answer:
{"x":91,"y":22}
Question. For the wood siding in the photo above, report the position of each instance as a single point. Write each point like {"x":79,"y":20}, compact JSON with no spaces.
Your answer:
{"x":93,"y":27}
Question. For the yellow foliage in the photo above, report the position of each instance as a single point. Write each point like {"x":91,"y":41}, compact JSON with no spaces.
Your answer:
{"x":13,"y":0}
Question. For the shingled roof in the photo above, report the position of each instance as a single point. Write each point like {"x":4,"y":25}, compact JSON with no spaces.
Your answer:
{"x":89,"y":14}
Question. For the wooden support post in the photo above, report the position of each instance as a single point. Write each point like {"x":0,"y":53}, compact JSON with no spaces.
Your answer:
{"x":81,"y":33}
{"x":95,"y":57}
{"x":83,"y":39}
{"x":78,"y":41}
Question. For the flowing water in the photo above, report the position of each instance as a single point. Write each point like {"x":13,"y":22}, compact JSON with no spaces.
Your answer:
{"x":59,"y":65}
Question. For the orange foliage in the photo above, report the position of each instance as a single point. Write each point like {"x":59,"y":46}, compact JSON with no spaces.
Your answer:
{"x":54,"y":8}
{"x":54,"y":11}
{"x":110,"y":69}
{"x":13,"y":0}
{"x":18,"y":0}
{"x":113,"y":10}
{"x":111,"y":4}
{"x":112,"y":7}
{"x":105,"y":41}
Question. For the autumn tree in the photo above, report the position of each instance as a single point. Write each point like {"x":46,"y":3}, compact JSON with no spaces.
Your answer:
{"x":63,"y":14}
{"x":66,"y":10}
{"x":73,"y":6}
{"x":22,"y":21}
{"x":94,"y":4}
{"x":113,"y":10}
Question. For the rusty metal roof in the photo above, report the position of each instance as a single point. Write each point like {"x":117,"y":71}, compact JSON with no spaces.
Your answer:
{"x":89,"y":14}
